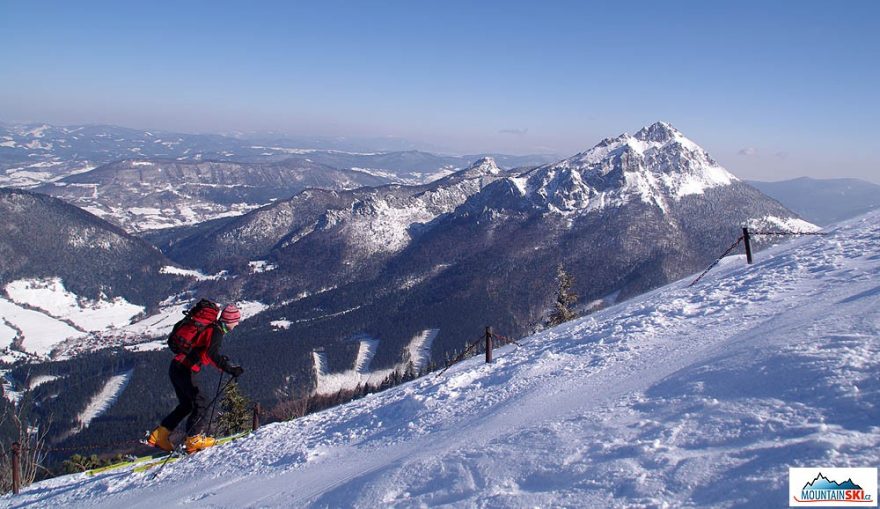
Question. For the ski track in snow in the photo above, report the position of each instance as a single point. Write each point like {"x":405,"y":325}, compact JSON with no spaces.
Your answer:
{"x":366,"y":351}
{"x":419,"y":350}
{"x":104,"y":399}
{"x":682,"y":397}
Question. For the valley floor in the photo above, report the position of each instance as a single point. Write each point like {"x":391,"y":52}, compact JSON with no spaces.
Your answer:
{"x":683,"y":397}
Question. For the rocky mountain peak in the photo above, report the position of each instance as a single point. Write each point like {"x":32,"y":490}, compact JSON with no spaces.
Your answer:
{"x":483,"y":167}
{"x":658,"y":132}
{"x":656,"y":165}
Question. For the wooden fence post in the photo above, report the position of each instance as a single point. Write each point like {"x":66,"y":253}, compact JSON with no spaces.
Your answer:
{"x":748,"y":242}
{"x":488,"y":344}
{"x":256,"y":421}
{"x":16,"y":467}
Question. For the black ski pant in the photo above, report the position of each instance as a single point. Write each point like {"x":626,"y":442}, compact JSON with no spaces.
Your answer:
{"x":192,"y":401}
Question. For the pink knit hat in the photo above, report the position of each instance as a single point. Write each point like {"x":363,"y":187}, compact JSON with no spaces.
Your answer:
{"x":230,"y":314}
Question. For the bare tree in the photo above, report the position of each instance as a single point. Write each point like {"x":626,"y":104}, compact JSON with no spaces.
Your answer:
{"x":31,"y":435}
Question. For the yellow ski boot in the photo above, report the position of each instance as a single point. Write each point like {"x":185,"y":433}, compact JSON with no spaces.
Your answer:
{"x":196,"y":443}
{"x":159,"y":438}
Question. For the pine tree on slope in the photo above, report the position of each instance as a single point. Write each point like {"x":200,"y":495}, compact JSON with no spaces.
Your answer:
{"x":565,"y":299}
{"x":235,"y":416}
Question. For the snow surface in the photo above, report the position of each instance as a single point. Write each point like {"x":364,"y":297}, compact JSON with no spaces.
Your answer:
{"x":7,"y":335}
{"x":698,"y":396}
{"x":50,"y":296}
{"x":172,"y":311}
{"x":366,"y":351}
{"x":280,"y":324}
{"x":55,"y":319}
{"x":419,"y":348}
{"x":415,"y":178}
{"x":140,"y":219}
{"x":39,"y":380}
{"x":9,"y":391}
{"x":104,"y":399}
{"x":331,"y":383}
{"x":148,"y":346}
{"x":786,"y":224}
{"x":331,"y":315}
{"x":38,"y":131}
{"x":199,"y":276}
{"x":381,"y":173}
{"x":160,"y":324}
{"x":260,"y":266}
{"x":40,"y":332}
{"x":250,"y":308}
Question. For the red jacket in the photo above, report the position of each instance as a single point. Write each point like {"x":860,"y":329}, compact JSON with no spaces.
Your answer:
{"x":208,"y":354}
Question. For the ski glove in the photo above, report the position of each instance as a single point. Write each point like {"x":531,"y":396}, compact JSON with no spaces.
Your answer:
{"x":235,"y":371}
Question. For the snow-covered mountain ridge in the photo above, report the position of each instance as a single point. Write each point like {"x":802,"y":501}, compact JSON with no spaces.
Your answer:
{"x":683,"y":397}
{"x":142,"y":195}
{"x":656,"y":164}
{"x":366,"y":221}
{"x":35,"y":154}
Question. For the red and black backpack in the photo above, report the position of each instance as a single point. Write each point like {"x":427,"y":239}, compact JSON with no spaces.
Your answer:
{"x":187,"y":333}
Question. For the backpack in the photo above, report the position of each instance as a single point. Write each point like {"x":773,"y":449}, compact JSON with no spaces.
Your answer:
{"x":187,"y":333}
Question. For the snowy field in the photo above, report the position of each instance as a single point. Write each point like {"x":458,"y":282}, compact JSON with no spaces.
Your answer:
{"x":50,"y":296}
{"x":683,"y":397}
{"x":39,"y":333}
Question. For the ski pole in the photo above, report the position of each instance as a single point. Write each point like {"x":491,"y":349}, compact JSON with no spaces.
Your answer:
{"x":216,"y":396}
{"x":214,"y":401}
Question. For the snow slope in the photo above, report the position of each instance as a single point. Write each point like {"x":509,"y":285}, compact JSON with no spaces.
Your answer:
{"x":39,"y":333}
{"x":682,"y":397}
{"x":104,"y":399}
{"x":418,"y":351}
{"x":366,"y":351}
{"x":49,"y":295}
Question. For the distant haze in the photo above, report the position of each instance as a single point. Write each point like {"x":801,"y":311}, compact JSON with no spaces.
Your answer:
{"x":824,"y":201}
{"x":772,"y":90}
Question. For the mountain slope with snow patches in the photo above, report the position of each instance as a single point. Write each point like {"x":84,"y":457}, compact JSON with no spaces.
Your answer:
{"x":345,"y":227}
{"x":142,"y":195}
{"x":685,"y":396}
{"x":43,"y":238}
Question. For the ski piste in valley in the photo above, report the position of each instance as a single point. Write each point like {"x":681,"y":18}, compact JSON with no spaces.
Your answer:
{"x":687,"y":396}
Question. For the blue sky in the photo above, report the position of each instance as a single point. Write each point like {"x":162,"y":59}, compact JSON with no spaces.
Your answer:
{"x":772,"y":89}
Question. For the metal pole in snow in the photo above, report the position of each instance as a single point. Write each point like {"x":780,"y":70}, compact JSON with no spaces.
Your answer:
{"x":16,"y":467}
{"x":488,"y":345}
{"x":256,"y":421}
{"x":747,"y":240}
